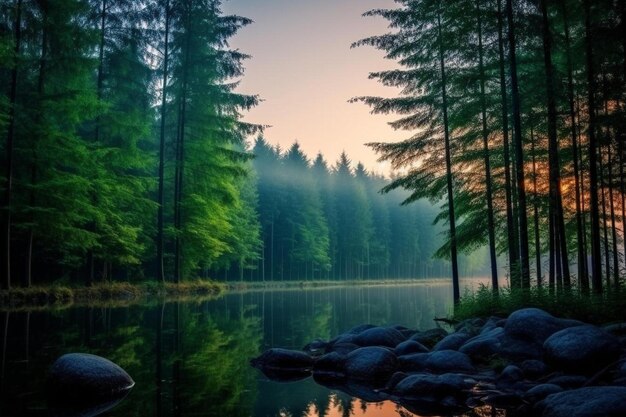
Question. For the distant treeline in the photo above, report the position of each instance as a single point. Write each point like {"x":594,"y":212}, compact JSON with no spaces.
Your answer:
{"x":321,"y":222}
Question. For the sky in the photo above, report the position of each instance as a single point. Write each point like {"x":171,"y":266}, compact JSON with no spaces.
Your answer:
{"x":303,"y":69}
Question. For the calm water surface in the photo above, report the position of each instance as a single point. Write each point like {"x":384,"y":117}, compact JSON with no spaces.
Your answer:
{"x":191,"y":359}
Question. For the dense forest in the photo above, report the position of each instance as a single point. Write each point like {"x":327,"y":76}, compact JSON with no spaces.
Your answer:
{"x":516,"y":114}
{"x":125,"y":155}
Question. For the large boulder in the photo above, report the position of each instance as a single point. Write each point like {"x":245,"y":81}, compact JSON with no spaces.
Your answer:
{"x":87,"y":377}
{"x":277,"y":358}
{"x":484,"y":345}
{"x":429,"y":338}
{"x":443,"y":361}
{"x":452,"y":342}
{"x":370,"y":363}
{"x":415,"y":362}
{"x":331,"y":364}
{"x":585,"y":402}
{"x":541,"y":391}
{"x":427,"y":394}
{"x":533,"y":324}
{"x":581,"y":349}
{"x":379,"y":336}
{"x":408,"y":347}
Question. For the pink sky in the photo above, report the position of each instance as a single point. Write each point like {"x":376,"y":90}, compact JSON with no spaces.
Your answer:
{"x":304,"y":69}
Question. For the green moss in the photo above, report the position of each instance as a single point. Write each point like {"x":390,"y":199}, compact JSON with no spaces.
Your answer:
{"x":605,"y":308}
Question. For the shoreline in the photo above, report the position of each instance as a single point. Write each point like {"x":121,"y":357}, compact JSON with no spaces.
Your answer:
{"x":124,"y":294}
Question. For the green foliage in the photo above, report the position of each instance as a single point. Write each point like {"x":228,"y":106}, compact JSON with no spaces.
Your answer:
{"x":598,"y":309}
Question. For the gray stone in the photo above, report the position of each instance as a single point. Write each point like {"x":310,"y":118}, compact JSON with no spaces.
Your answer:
{"x":415,"y":362}
{"x":429,"y":387}
{"x":568,"y":381}
{"x":285,"y":359}
{"x":452,"y":342}
{"x":370,"y":363}
{"x":342,"y":348}
{"x":379,"y":336}
{"x":533,"y":368}
{"x":86,"y":377}
{"x":533,"y":324}
{"x":581,"y":349}
{"x":541,"y":391}
{"x":330,"y":364}
{"x":585,"y":402}
{"x":430,"y":337}
{"x":408,"y":347}
{"x":485,"y":345}
{"x":509,"y":376}
{"x":443,"y":361}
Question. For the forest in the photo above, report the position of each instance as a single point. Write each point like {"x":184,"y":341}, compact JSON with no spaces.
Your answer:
{"x":125,"y":154}
{"x":125,"y":158}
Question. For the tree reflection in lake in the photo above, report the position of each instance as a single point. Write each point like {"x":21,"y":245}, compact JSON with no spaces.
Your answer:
{"x":192,"y":359}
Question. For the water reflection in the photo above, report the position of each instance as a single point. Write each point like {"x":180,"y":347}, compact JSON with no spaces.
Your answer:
{"x":192,"y":358}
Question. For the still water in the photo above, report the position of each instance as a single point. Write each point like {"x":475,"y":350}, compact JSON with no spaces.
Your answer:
{"x":192,"y":358}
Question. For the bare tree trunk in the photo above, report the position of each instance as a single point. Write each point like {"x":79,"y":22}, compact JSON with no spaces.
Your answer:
{"x":519,"y":151}
{"x":8,"y":189}
{"x":451,"y":216}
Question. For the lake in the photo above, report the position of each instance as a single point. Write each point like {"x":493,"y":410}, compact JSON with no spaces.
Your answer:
{"x":192,"y":359}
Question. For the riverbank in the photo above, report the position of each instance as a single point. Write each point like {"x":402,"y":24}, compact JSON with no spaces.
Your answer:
{"x":123,"y":294}
{"x":106,"y":294}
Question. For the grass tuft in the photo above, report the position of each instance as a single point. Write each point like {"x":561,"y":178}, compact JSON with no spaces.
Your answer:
{"x":598,"y":309}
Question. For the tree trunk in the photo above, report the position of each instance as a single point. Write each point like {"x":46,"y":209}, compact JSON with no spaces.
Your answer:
{"x":556,"y":205}
{"x":510,"y":224}
{"x":596,"y":263}
{"x":161,"y":194}
{"x":519,"y":149}
{"x":444,"y":98}
{"x":583,"y":273}
{"x":536,"y":213}
{"x":485,"y":133}
{"x":8,"y":196}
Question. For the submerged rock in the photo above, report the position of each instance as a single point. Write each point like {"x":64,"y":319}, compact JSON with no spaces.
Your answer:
{"x":370,"y":363}
{"x":582,"y":349}
{"x":86,"y":377}
{"x":585,"y":402}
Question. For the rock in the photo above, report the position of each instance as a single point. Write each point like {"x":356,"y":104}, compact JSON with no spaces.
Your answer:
{"x":533,"y":324}
{"x":485,"y":345}
{"x":533,"y":368}
{"x":342,"y":338}
{"x":430,"y":337}
{"x":86,"y":377}
{"x":410,"y":346}
{"x":491,"y":324}
{"x":316,"y":347}
{"x":517,"y":349}
{"x":581,"y":349}
{"x":370,"y":363}
{"x":452,"y":342}
{"x":503,"y":399}
{"x":568,"y":381}
{"x":330,"y":364}
{"x":541,"y":391}
{"x":585,"y":402}
{"x":415,"y":362}
{"x":379,"y":336}
{"x":360,"y":328}
{"x":443,"y":361}
{"x":283,"y":359}
{"x":426,"y":394}
{"x":470,"y":326}
{"x":342,"y":348}
{"x":616,"y":329}
{"x":509,"y":376}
